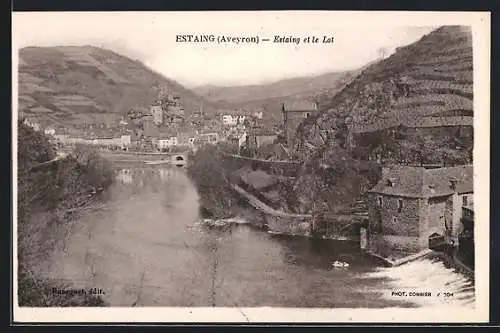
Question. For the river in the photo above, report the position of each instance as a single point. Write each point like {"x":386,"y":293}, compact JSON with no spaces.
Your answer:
{"x":147,"y":247}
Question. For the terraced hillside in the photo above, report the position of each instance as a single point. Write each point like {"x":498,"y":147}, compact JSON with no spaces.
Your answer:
{"x":415,"y":106}
{"x":70,"y":85}
{"x":426,"y":84}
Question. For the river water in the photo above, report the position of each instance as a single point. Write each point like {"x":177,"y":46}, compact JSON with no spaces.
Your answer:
{"x":148,"y":247}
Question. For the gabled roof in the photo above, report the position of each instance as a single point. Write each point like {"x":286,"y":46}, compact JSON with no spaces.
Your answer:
{"x":418,"y":182}
{"x":441,"y":177}
{"x":299,"y":106}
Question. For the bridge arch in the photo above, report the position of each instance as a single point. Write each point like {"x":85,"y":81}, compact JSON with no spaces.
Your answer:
{"x":179,"y":158}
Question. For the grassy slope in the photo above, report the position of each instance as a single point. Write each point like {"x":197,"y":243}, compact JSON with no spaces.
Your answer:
{"x":70,"y":85}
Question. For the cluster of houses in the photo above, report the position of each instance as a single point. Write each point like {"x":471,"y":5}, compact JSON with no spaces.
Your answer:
{"x":238,"y":117}
{"x":411,"y":208}
{"x":127,"y":139}
{"x":122,"y":142}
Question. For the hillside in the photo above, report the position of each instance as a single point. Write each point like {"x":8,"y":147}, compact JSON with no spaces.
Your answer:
{"x":296,"y":87}
{"x":71,"y":85}
{"x":415,"y":106}
{"x":429,"y":80}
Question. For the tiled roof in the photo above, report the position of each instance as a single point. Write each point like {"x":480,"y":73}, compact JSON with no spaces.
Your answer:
{"x":418,"y":182}
{"x":299,"y":106}
{"x":441,"y":178}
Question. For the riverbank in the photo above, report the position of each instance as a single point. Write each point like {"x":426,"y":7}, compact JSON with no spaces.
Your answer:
{"x":210,"y":175}
{"x":49,"y":199}
{"x":226,"y":188}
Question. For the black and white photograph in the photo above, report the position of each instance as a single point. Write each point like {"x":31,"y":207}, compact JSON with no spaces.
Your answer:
{"x":251,"y":166}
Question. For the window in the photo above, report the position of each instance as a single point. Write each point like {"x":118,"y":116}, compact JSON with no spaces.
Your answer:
{"x":465,"y":202}
{"x":400,"y":205}
{"x":394,"y":220}
{"x":380,"y":201}
{"x":307,"y":115}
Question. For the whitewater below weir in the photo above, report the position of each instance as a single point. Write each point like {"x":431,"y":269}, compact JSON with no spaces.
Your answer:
{"x":428,"y":283}
{"x":148,"y":246}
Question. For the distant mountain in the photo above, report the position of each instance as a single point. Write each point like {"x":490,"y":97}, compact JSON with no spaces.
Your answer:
{"x":298,"y":87}
{"x":269,"y":97}
{"x":71,"y":85}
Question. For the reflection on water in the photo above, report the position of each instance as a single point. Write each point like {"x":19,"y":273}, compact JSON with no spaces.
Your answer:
{"x":149,"y":247}
{"x":127,"y":175}
{"x":124,"y":176}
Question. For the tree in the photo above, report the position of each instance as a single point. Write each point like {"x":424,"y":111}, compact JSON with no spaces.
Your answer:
{"x":32,"y":147}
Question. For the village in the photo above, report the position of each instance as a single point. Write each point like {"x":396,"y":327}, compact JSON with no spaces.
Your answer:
{"x":165,"y":127}
{"x":412,"y":211}
{"x":185,"y":185}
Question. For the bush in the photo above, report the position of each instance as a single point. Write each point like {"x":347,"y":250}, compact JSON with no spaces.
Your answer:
{"x":32,"y":147}
{"x":35,"y":292}
{"x":97,"y":170}
{"x":44,"y":195}
{"x":207,"y":170}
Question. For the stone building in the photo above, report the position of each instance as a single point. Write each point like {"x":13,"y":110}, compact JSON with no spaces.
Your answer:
{"x":412,"y":207}
{"x":293,"y":114}
{"x":157,"y":113}
{"x":257,"y":138}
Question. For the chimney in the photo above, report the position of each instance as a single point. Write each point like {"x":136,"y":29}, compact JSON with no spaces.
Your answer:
{"x":385,"y":172}
{"x":390,"y":182}
{"x":453,"y":182}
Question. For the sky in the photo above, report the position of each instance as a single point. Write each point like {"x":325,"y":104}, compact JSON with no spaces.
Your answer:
{"x":151,"y":38}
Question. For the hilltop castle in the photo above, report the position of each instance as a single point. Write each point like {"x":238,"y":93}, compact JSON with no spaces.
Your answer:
{"x":165,"y":110}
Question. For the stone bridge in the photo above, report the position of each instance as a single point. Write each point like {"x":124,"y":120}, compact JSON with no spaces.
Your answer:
{"x":154,"y":156}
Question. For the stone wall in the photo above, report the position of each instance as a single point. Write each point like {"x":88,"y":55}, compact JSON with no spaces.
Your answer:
{"x":292,"y":122}
{"x":433,"y":217}
{"x":395,"y":222}
{"x":386,"y":234}
{"x":453,"y":213}
{"x":289,"y":225}
{"x":281,"y":168}
{"x":386,"y":245}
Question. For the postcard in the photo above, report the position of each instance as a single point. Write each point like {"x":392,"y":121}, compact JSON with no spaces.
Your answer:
{"x":258,"y":167}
